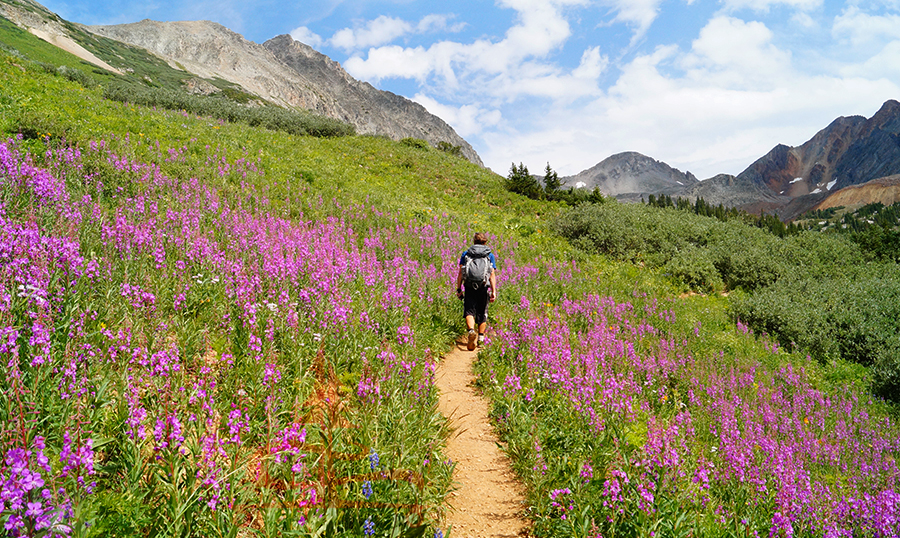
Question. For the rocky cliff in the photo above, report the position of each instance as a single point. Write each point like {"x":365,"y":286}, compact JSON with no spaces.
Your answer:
{"x":287,"y":73}
{"x":850,"y":151}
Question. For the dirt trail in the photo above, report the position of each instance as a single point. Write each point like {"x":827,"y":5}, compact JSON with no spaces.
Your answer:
{"x":489,"y":500}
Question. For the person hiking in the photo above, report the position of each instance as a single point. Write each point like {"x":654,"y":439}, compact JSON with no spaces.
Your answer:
{"x":478,"y":271}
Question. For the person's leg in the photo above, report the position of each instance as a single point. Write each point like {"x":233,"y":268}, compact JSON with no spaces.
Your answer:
{"x":470,"y":310}
{"x":480,"y":317}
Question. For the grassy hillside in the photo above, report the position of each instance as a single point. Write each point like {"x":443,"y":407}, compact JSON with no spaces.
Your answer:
{"x":211,"y":329}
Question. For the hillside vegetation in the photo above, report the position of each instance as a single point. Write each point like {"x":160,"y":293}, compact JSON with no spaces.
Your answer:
{"x":214,"y":329}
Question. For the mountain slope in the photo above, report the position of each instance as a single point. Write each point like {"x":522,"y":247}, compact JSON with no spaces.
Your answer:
{"x":885,"y":190}
{"x":849,"y":151}
{"x":306,"y":79}
{"x":787,"y":181}
{"x":631,"y":173}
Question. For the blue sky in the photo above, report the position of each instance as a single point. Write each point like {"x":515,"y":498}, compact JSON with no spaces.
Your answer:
{"x":705,"y":86}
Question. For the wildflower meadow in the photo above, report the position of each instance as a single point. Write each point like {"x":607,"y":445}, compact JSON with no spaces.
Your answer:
{"x":210,"y":329}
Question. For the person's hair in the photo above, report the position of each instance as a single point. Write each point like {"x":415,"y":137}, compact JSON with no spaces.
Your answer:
{"x":480,"y":239}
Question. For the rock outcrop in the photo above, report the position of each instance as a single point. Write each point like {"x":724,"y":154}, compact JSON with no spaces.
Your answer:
{"x":288,"y":73}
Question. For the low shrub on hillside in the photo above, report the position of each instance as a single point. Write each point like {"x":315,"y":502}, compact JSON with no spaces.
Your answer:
{"x":856,"y":318}
{"x":810,"y":290}
{"x":268,"y":117}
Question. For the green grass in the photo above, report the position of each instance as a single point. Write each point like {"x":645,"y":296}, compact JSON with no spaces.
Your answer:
{"x":401,"y":192}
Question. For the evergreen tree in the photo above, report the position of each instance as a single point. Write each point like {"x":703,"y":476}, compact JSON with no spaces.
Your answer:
{"x":551,"y":182}
{"x":521,"y":182}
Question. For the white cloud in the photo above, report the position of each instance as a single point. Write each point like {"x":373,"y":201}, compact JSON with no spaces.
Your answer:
{"x":506,"y":69}
{"x":377,"y":32}
{"x":307,"y":36}
{"x":392,"y":61}
{"x":884,"y":64}
{"x":860,"y":28}
{"x":740,"y":54}
{"x":592,"y":65}
{"x":466,"y":120}
{"x":804,"y":20}
{"x":639,"y":13}
{"x":765,"y":5}
{"x":384,"y":30}
{"x":438,"y":23}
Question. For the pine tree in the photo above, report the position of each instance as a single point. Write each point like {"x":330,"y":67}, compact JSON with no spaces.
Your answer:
{"x":551,"y":182}
{"x":521,"y":182}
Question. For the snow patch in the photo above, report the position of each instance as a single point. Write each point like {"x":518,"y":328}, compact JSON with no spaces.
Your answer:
{"x":816,"y":191}
{"x":830,"y":184}
{"x":796,"y":179}
{"x":580,"y":185}
{"x":680,"y":183}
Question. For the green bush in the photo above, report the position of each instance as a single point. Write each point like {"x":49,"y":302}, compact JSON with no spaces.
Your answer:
{"x":415,"y":143}
{"x":694,"y":266}
{"x":747,"y":257}
{"x":267,"y":117}
{"x":854,"y":318}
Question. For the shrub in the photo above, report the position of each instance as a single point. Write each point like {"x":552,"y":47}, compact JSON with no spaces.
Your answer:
{"x":417,"y":143}
{"x":447,"y":147}
{"x":694,"y":266}
{"x":268,"y":117}
{"x":854,"y":318}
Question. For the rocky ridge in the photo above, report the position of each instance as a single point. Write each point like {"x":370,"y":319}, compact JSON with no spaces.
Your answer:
{"x":288,"y":73}
{"x":787,"y":181}
{"x":36,"y":19}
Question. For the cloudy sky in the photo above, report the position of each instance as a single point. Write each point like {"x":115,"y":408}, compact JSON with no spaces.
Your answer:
{"x":707,"y":86}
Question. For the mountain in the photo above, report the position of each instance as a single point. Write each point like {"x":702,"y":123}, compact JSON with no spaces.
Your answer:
{"x":630,"y":175}
{"x":787,"y":181}
{"x":282,"y":71}
{"x":288,"y":73}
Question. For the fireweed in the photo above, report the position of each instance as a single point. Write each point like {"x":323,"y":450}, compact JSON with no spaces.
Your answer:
{"x":623,"y":425}
{"x":161,"y":311}
{"x":177,"y":321}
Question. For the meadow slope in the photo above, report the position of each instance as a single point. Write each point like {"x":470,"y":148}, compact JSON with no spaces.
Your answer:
{"x":211,"y":329}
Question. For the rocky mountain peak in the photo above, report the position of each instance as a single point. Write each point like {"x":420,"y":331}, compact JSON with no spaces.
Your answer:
{"x":633,"y":174}
{"x":288,"y":73}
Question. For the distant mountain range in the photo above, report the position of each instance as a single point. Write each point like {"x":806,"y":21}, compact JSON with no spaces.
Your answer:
{"x":787,"y":181}
{"x":282,"y":71}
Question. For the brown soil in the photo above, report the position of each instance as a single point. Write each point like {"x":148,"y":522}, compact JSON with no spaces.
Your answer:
{"x":488,"y":500}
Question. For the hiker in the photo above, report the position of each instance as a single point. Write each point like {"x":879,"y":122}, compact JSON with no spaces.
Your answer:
{"x":477,"y":270}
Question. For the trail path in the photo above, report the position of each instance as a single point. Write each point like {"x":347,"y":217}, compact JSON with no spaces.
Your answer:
{"x":489,"y":500}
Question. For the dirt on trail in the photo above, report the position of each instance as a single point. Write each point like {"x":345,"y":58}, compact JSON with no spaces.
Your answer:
{"x":488,"y":501}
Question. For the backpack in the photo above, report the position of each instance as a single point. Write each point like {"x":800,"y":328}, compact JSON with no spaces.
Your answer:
{"x":478,"y":267}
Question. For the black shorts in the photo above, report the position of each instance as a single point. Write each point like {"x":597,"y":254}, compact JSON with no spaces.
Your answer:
{"x":476,"y":304}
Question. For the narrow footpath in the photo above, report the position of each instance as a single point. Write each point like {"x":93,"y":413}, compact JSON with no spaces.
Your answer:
{"x":488,"y":501}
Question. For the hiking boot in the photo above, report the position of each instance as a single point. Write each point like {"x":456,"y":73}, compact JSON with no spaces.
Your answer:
{"x":472,"y":337}
{"x":480,"y":340}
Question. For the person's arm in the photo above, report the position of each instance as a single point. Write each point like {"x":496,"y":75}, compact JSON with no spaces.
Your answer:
{"x":493,"y":284}
{"x":459,"y":281}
